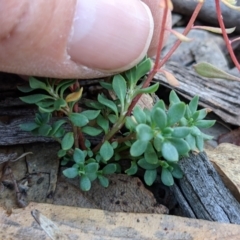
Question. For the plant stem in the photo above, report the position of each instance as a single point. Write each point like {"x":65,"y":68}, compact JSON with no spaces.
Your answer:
{"x":225,"y":36}
{"x":75,"y":134}
{"x":185,"y":32}
{"x":57,"y":140}
{"x":155,"y":68}
{"x":81,"y":139}
{"x":131,"y":136}
{"x":118,"y":125}
{"x":158,"y":64}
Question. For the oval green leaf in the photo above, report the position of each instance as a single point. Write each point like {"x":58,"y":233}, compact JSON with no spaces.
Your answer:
{"x":34,"y":83}
{"x":193,"y":105}
{"x":138,"y":148}
{"x":144,"y":132}
{"x":108,"y":103}
{"x":157,"y":142}
{"x":56,"y":126}
{"x":67,"y":141}
{"x":91,"y":114}
{"x":205,"y":69}
{"x":132,"y":170}
{"x":181,"y":145}
{"x":109,"y":168}
{"x":85,"y":183}
{"x":139,"y":114}
{"x":78,"y":119}
{"x":145,"y":165}
{"x":152,"y":89}
{"x":35,"y":98}
{"x":160,"y":118}
{"x":166,"y":177}
{"x":44,"y":130}
{"x":29,"y":126}
{"x":103,"y":181}
{"x":150,"y":154}
{"x":150,"y":176}
{"x":170,"y":152}
{"x":120,"y":88}
{"x":103,"y":123}
{"x":91,"y":167}
{"x":91,"y":131}
{"x":106,"y":151}
{"x":78,"y":156}
{"x":181,"y":132}
{"x":70,"y":172}
{"x":59,"y":103}
{"x":177,"y":171}
{"x":173,"y":98}
{"x":205,"y":123}
{"x":61,"y":153}
{"x":175,"y":113}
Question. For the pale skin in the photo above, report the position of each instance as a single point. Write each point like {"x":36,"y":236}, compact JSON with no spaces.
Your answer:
{"x":77,"y":38}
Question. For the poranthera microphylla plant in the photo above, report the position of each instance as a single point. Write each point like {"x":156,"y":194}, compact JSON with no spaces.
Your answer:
{"x":151,"y":139}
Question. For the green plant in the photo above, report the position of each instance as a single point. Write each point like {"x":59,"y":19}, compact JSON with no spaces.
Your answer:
{"x":152,"y":140}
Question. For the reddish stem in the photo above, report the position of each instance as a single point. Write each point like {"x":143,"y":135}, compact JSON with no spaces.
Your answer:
{"x":185,"y":32}
{"x":79,"y":138}
{"x":158,"y":65}
{"x":155,"y":68}
{"x":225,"y":36}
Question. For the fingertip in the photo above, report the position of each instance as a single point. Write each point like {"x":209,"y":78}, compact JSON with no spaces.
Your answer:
{"x":110,"y":35}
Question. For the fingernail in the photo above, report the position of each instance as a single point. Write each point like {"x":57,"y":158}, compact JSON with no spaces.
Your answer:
{"x":110,"y":35}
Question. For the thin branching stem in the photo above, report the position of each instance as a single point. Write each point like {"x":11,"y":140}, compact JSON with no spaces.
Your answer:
{"x":75,"y":134}
{"x":117,"y":126}
{"x":81,"y":139}
{"x":158,"y":64}
{"x":155,"y":68}
{"x":225,"y":36}
{"x":185,"y":32}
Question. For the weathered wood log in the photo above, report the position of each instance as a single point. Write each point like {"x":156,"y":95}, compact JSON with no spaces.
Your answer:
{"x":221,"y":96}
{"x":11,"y":133}
{"x":202,"y":194}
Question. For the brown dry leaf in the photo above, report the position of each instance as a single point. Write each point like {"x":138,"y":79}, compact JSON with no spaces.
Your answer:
{"x":170,"y":78}
{"x":226,"y":159}
{"x":75,"y":96}
{"x":79,"y":223}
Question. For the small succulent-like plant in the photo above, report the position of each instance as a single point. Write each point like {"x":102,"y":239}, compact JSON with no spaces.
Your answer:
{"x":152,"y":140}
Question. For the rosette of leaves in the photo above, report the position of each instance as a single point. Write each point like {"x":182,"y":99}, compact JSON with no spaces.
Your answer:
{"x":164,"y":135}
{"x":56,"y":99}
{"x":87,"y":168}
{"x":124,"y":88}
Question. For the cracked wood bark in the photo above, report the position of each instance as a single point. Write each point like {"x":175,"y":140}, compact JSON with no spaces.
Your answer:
{"x":11,"y":134}
{"x":202,"y":194}
{"x":221,"y":96}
